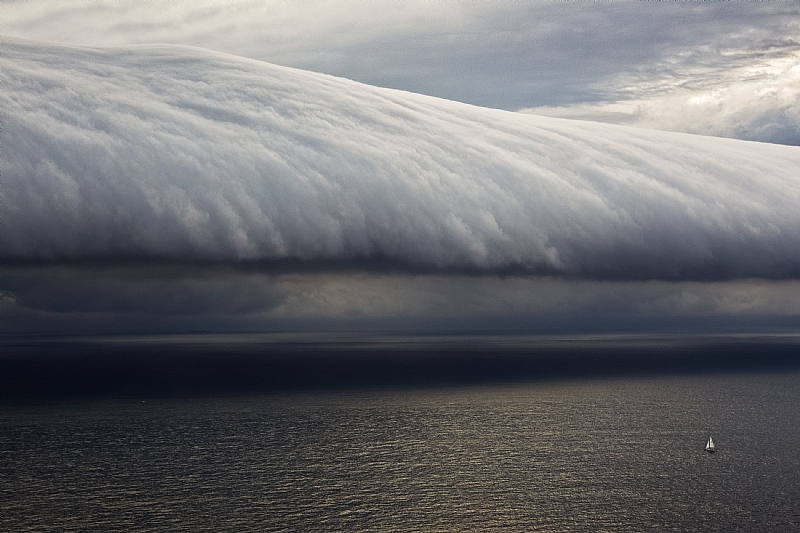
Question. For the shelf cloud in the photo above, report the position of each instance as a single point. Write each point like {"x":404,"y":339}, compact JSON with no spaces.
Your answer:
{"x":167,"y":153}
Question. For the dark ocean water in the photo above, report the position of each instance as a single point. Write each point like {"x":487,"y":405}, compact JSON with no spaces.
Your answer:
{"x":612,"y":454}
{"x":603,"y":451}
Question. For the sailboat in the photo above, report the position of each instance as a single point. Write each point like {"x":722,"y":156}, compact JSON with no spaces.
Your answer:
{"x":710,"y":446}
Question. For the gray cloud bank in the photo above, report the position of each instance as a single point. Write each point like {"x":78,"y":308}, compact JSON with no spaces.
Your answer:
{"x":164,"y":298}
{"x":170,"y":153}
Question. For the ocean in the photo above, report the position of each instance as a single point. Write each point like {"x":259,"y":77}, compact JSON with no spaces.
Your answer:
{"x":579,"y":450}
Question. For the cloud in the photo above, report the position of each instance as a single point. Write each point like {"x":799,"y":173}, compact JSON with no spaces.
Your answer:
{"x":467,"y":297}
{"x":164,"y":188}
{"x":507,"y":55}
{"x":180,"y":297}
{"x":712,"y":68}
{"x":167,"y":153}
{"x":158,"y":291}
{"x":757,"y":101}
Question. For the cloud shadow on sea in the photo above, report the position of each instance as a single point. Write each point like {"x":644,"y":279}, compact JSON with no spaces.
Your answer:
{"x":80,"y":368}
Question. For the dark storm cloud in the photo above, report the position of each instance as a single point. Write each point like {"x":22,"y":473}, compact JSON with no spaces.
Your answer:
{"x":133,"y":296}
{"x":151,"y":289}
{"x":177,"y":154}
{"x":158,"y":297}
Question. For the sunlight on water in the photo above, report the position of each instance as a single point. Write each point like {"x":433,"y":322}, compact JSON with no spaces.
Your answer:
{"x":606,"y":455}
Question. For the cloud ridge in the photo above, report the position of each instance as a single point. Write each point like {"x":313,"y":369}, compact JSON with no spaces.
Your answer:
{"x":173,"y":153}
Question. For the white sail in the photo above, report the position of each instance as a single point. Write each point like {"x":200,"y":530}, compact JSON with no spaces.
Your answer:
{"x":710,"y":445}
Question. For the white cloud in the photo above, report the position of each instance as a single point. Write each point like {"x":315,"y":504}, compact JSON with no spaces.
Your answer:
{"x":174,"y":153}
{"x":757,"y":101}
{"x":506,"y":55}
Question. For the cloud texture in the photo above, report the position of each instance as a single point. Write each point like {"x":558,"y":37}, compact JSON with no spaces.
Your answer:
{"x":715,"y":68}
{"x":757,"y":101}
{"x":177,"y":154}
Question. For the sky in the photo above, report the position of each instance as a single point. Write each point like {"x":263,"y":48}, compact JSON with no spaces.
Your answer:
{"x":533,"y":166}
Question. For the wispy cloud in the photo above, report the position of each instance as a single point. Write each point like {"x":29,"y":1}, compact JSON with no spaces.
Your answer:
{"x":759,"y":100}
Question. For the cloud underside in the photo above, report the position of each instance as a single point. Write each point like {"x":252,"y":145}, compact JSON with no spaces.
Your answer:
{"x":223,"y":298}
{"x":175,"y":154}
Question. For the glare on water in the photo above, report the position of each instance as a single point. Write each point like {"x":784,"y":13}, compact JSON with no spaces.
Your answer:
{"x":604,"y":455}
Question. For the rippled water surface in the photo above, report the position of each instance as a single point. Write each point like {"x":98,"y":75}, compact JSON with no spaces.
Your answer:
{"x":605,"y":455}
